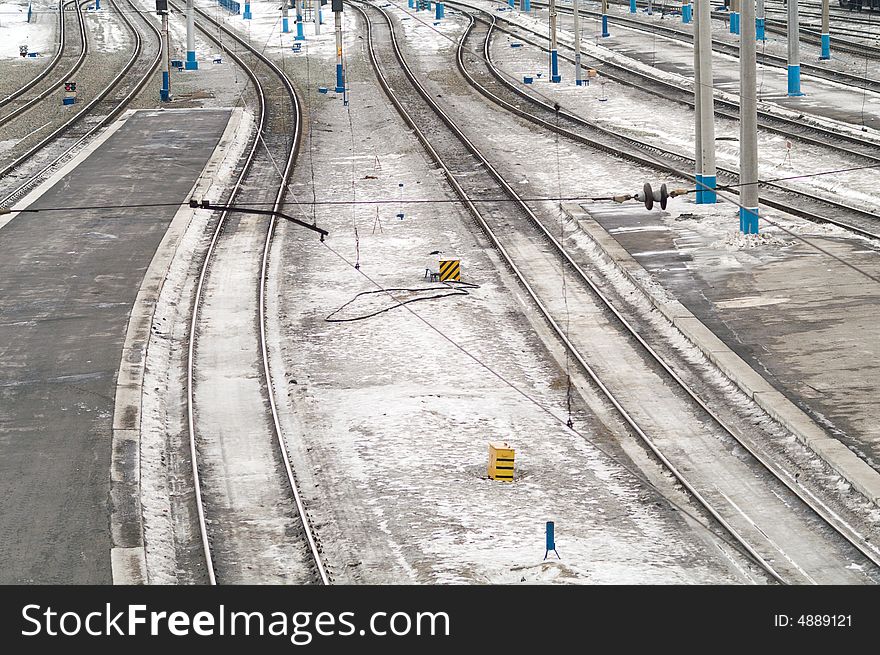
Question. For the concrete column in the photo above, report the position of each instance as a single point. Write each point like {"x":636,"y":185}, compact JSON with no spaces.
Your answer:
{"x":191,"y":63}
{"x":285,"y":22}
{"x":826,"y":32}
{"x":554,"y":56}
{"x":576,"y":13}
{"x":300,"y":35}
{"x":605,"y":18}
{"x":794,"y":52}
{"x":748,"y":121}
{"x":165,"y":92}
{"x":317,"y":16}
{"x":760,"y":22}
{"x":340,"y":73}
{"x":698,"y":121}
{"x":707,"y":102}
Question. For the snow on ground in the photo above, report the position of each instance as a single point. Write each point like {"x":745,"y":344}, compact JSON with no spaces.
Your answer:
{"x":39,"y":35}
{"x":388,"y":423}
{"x":108,"y":33}
{"x":390,"y":446}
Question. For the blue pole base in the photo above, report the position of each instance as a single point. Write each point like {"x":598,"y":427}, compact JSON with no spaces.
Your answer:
{"x":300,"y":36}
{"x":710,"y":196}
{"x":794,"y":81}
{"x":759,"y":30}
{"x":340,"y":83}
{"x":632,"y":6}
{"x":748,"y":220}
{"x":527,"y":5}
{"x":605,"y":25}
{"x":247,"y":12}
{"x":698,"y":196}
{"x":164,"y":95}
{"x":191,"y":63}
{"x":686,"y":13}
{"x":285,"y":25}
{"x":511,"y":4}
{"x":554,"y":67}
{"x":97,"y":5}
{"x":580,"y":83}
{"x":165,"y":92}
{"x":826,"y":47}
{"x":439,"y":11}
{"x":411,"y":4}
{"x":734,"y":23}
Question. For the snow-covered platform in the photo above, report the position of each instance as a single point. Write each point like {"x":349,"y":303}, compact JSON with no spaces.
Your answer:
{"x":68,"y":282}
{"x":794,"y":327}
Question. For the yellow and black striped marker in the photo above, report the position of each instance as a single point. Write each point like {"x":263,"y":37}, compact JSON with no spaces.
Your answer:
{"x":450,"y":269}
{"x":501,"y":456}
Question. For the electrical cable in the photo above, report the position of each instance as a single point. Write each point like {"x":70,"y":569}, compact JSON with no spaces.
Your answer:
{"x":452,"y":291}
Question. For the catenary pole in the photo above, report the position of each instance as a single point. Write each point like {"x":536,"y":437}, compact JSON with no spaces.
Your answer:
{"x":748,"y":121}
{"x":578,"y":78}
{"x":826,"y":32}
{"x":707,"y":103}
{"x":554,"y":56}
{"x":794,"y":53}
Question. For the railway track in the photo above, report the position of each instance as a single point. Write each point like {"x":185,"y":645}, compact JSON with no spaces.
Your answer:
{"x":53,"y":63}
{"x":252,"y":521}
{"x":782,"y":197}
{"x":536,"y":258}
{"x":801,"y":130}
{"x":20,"y":105}
{"x":808,"y":35}
{"x":73,"y":134}
{"x":732,"y":49}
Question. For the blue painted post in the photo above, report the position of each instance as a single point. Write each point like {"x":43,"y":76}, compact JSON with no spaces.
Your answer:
{"x":412,"y":4}
{"x":438,"y":11}
{"x":285,"y":23}
{"x":794,"y":55}
{"x":632,"y":6}
{"x":551,"y":542}
{"x":826,"y":32}
{"x":191,"y":63}
{"x":686,"y":13}
{"x":300,"y":36}
{"x":555,"y":77}
{"x":709,"y":183}
{"x":527,"y":5}
{"x":748,"y":220}
{"x":97,"y":5}
{"x":605,"y":18}
{"x":759,"y":21}
{"x":511,"y":4}
{"x":247,"y":10}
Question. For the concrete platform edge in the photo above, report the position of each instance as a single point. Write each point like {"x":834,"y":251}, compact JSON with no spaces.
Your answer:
{"x":835,"y":454}
{"x":128,"y":551}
